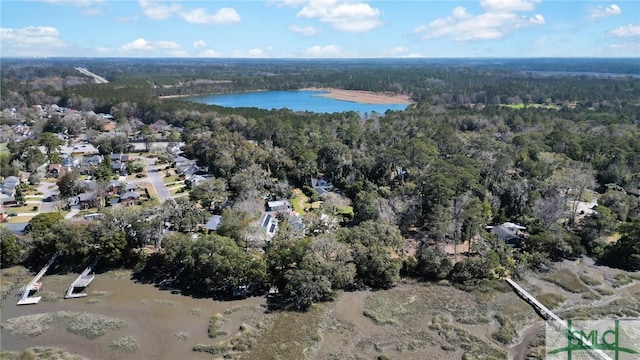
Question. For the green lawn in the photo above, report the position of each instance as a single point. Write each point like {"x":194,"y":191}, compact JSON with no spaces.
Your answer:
{"x":171,"y":179}
{"x":19,"y":219}
{"x":299,"y":201}
{"x":522,"y":106}
{"x":22,"y":209}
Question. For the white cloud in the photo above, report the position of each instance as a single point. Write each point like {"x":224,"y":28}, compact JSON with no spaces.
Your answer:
{"x":253,"y":53}
{"x":398,"y":50}
{"x":198,"y":44}
{"x":343,"y":15}
{"x":201,"y":16}
{"x":500,"y":20}
{"x":30,"y":41}
{"x":161,"y":10}
{"x":624,"y":31}
{"x":324,"y":51}
{"x":76,"y":2}
{"x":508,"y":5}
{"x":413,"y":55}
{"x":210,"y":53}
{"x":142,"y":45}
{"x":158,"y":11}
{"x":287,"y":3}
{"x":304,"y":30}
{"x":604,"y":11}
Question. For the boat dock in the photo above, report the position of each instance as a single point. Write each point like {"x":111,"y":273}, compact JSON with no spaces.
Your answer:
{"x":555,"y":320}
{"x":82,"y":282}
{"x":33,"y":286}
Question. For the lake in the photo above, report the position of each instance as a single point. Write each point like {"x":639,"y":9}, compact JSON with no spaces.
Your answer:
{"x":307,"y":100}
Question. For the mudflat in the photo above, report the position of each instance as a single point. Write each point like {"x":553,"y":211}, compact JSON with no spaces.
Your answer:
{"x":412,"y":320}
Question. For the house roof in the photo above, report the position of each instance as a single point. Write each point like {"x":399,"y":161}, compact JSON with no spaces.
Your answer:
{"x":213,"y":222}
{"x":278,"y":203}
{"x":130,"y":195}
{"x":86,"y":196}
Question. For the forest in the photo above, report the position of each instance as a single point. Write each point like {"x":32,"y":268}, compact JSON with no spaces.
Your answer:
{"x":486,"y":142}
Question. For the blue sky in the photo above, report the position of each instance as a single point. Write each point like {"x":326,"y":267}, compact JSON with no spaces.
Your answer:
{"x":319,"y":28}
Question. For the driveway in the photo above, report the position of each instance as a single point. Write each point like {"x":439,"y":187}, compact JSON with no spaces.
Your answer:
{"x":156,"y":180}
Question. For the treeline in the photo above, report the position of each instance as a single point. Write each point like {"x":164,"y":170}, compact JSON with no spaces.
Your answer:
{"x":416,"y":187}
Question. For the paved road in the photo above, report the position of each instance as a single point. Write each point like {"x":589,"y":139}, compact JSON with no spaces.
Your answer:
{"x":156,"y":180}
{"x":48,"y":206}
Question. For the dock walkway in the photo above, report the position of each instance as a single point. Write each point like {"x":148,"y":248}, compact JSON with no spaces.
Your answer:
{"x":548,"y":315}
{"x":34,"y":286}
{"x":83,"y":280}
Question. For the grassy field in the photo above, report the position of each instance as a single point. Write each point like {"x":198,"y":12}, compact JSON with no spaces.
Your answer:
{"x":23,"y":209}
{"x":20,"y":219}
{"x":522,"y":106}
{"x":299,"y":201}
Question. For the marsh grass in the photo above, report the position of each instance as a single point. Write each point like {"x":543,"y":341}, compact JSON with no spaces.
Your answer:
{"x":196,"y":311}
{"x":507,"y":331}
{"x":181,"y":336}
{"x":215,"y":323}
{"x":160,"y":302}
{"x":125,"y":344}
{"x":567,"y":281}
{"x":40,"y":353}
{"x":89,"y":325}
{"x":589,"y":280}
{"x":551,"y":300}
{"x":621,"y":280}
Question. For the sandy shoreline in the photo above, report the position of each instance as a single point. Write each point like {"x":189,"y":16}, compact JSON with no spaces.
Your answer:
{"x":357,"y":96}
{"x":363,"y":97}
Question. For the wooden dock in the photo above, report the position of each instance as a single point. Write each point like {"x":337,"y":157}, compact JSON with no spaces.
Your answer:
{"x":83,"y":280}
{"x":34,"y":286}
{"x":555,"y":320}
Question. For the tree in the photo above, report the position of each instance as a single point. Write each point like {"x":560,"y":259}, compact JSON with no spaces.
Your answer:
{"x":113,"y":248}
{"x":68,"y":184}
{"x":432,"y":264}
{"x":375,"y":247}
{"x":184,"y":215}
{"x":9,"y":248}
{"x":50,"y":141}
{"x":210,"y":193}
{"x":625,"y":253}
{"x":42,"y":223}
{"x":19,"y":195}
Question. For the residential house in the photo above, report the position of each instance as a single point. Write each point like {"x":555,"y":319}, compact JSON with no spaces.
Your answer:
{"x":193,"y":180}
{"x":131,"y":187}
{"x":130,"y":198}
{"x":280,"y":205}
{"x":213,"y":222}
{"x":109,"y":126}
{"x":85,"y":200}
{"x":57,"y":170}
{"x":269,"y":224}
{"x":70,"y":161}
{"x":88,"y":163}
{"x":512,"y":234}
{"x":8,"y":189}
{"x":295,"y":221}
{"x":185,"y":166}
{"x":119,"y":167}
{"x":321,"y":185}
{"x":120,"y":157}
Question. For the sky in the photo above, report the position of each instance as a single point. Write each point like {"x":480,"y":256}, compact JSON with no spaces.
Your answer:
{"x":319,"y":28}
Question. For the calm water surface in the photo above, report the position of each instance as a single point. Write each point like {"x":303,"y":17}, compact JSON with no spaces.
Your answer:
{"x":294,"y":100}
